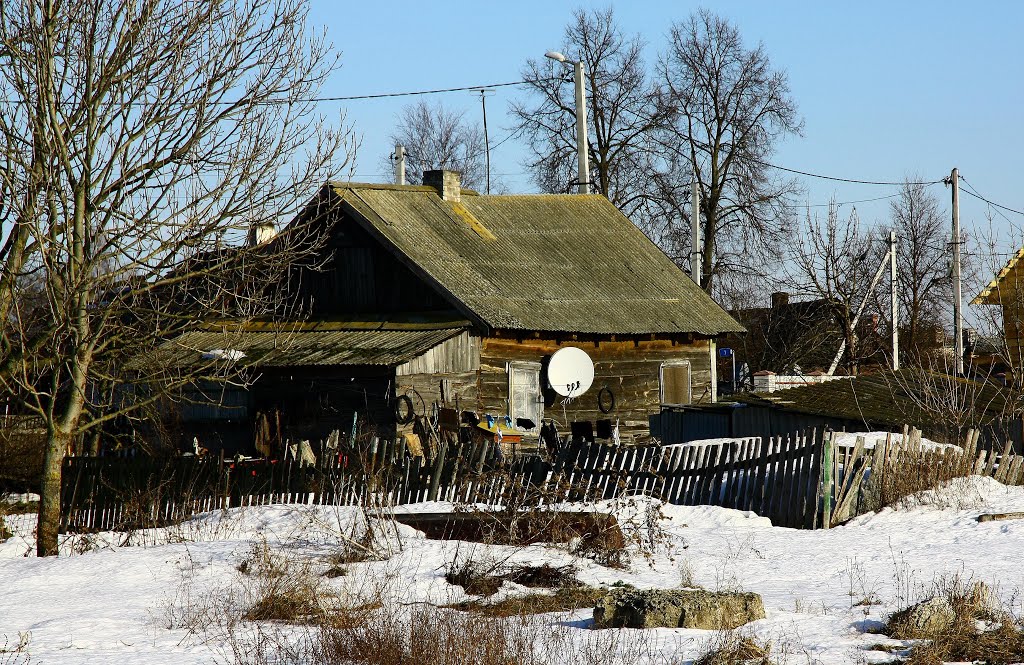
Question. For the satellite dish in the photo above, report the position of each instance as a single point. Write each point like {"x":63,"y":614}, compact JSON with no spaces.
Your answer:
{"x":570,"y":372}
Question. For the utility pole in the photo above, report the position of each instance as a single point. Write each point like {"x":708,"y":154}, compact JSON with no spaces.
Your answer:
{"x":399,"y":158}
{"x":958,"y":305}
{"x":695,"y":250}
{"x":860,"y":310}
{"x":487,"y":141}
{"x":582,"y":154}
{"x":582,"y":157}
{"x":895,"y":303}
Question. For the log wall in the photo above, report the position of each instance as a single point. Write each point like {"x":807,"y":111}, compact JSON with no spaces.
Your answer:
{"x":630,"y":369}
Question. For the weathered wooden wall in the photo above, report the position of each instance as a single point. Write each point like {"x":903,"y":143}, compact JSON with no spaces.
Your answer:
{"x":630,"y":368}
{"x":362,"y":277}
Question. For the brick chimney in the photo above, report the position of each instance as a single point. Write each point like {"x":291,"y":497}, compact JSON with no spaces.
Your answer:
{"x":446,"y":183}
{"x":780,"y":299}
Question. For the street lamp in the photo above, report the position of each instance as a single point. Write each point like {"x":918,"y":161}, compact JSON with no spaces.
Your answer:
{"x":582,"y":162}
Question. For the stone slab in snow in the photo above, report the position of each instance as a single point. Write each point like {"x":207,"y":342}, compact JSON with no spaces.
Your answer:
{"x":677,"y":608}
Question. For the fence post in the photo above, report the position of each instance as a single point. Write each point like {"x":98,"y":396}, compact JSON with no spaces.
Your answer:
{"x":828,"y":453}
{"x":436,"y":478}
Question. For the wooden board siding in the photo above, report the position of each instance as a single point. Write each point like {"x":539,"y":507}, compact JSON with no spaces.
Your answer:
{"x":458,"y":354}
{"x":360,"y":276}
{"x":629,"y":368}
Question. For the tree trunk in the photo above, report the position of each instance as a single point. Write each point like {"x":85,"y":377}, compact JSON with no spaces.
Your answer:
{"x":49,"y":495}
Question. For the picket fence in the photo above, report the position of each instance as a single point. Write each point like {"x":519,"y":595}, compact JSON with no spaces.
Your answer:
{"x":802,"y":481}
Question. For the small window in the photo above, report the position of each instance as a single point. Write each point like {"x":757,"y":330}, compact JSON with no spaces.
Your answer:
{"x":525,"y":399}
{"x":675,"y":383}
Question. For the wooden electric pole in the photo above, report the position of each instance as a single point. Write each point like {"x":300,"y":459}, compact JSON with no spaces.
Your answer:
{"x":487,"y":140}
{"x":958,"y":314}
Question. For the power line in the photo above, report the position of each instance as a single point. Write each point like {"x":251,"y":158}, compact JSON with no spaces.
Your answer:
{"x":978,"y":195}
{"x":415,"y":92}
{"x":971,"y":190}
{"x":840,"y":203}
{"x":346,"y":98}
{"x":838,"y":179}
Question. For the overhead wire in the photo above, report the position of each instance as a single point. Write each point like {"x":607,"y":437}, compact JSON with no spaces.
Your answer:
{"x":971,"y":190}
{"x":839,"y":203}
{"x":347,"y":98}
{"x":839,"y":179}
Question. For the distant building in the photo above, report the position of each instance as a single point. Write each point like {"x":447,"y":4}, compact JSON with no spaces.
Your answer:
{"x":795,"y":339}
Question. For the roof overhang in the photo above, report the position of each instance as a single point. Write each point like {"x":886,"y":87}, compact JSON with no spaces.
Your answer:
{"x":990,"y":295}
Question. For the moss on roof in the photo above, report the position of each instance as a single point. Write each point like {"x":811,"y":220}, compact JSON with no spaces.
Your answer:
{"x":559,"y":263}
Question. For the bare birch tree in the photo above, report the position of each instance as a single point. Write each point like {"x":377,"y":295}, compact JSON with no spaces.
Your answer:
{"x":729,"y":107}
{"x":139,"y":141}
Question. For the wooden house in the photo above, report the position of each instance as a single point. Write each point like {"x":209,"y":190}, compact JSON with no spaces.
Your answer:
{"x":436,"y":297}
{"x":1007,"y":290}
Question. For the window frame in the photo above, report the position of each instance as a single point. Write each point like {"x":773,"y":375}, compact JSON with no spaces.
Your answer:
{"x":689,"y":382}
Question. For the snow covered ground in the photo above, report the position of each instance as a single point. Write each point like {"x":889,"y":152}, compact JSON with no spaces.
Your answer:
{"x":823,"y":590}
{"x":848,"y":439}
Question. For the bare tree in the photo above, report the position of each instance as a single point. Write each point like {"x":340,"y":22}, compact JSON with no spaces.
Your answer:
{"x":435,"y":137}
{"x":923,"y":275}
{"x":621,"y":115}
{"x":139,"y":141}
{"x":835,"y":261}
{"x":729,"y":107}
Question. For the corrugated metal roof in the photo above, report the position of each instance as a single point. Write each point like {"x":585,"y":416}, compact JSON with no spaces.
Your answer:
{"x":561,"y":263}
{"x":281,"y":348}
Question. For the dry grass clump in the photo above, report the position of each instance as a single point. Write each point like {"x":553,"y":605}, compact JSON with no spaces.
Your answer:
{"x":475,"y":575}
{"x":15,"y":652}
{"x":979,"y":631}
{"x":479,"y":576}
{"x":280,"y":590}
{"x":565,"y":599}
{"x":543,"y":576}
{"x":427,"y":635}
{"x":732,"y":648}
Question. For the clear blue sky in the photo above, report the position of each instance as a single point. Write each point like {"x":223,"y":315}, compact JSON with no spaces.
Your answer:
{"x":885,"y":88}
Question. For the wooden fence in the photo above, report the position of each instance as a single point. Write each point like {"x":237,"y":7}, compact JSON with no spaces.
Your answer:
{"x":801,"y":481}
